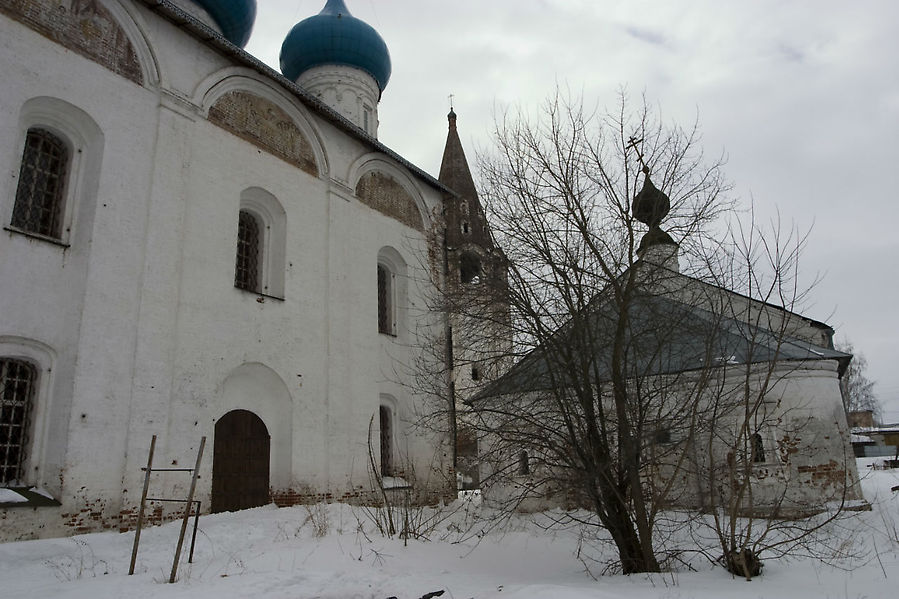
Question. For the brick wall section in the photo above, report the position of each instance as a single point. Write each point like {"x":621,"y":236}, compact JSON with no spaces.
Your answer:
{"x":266,"y":126}
{"x":381,"y":192}
{"x":830,"y":473}
{"x":371,"y":497}
{"x":83,"y":26}
{"x":291,"y":497}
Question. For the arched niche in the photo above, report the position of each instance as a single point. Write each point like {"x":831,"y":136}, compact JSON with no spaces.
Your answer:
{"x":254,"y":112}
{"x":387,"y":189}
{"x":257,"y":388}
{"x":91,"y":29}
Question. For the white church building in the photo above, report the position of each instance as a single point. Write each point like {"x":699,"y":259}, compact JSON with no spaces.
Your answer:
{"x":196,"y":245}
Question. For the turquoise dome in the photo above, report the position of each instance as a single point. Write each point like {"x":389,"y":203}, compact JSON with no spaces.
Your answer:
{"x":234,"y":17}
{"x":334,"y":36}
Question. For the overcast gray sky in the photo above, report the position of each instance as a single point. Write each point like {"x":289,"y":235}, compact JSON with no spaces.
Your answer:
{"x":801,"y":95}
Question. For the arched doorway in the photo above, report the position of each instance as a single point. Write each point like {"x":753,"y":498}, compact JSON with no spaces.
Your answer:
{"x":240,"y":462}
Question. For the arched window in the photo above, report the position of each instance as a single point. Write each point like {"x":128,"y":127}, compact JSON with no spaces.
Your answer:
{"x":470,"y":268}
{"x":386,"y":320}
{"x":261,"y":244}
{"x":524,"y":463}
{"x":40,"y":193}
{"x":18,"y":379}
{"x":758,"y":448}
{"x":386,"y":440}
{"x":391,"y":292}
{"x":249,"y":252}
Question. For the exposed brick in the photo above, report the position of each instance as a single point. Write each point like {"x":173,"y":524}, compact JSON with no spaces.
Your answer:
{"x":83,"y":26}
{"x":381,"y":192}
{"x":265,"y":125}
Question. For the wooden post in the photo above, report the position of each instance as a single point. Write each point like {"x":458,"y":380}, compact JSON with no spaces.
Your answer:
{"x":143,"y":500}
{"x":193,"y":538}
{"x":187,"y":508}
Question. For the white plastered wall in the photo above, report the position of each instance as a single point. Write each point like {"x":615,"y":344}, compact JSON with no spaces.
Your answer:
{"x":148,"y":334}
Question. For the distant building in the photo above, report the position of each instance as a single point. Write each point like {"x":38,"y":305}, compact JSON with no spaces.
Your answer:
{"x":876,"y":441}
{"x":863,"y":418}
{"x":737,"y":401}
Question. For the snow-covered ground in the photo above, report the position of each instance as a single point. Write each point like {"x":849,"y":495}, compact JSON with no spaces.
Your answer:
{"x":334,"y":551}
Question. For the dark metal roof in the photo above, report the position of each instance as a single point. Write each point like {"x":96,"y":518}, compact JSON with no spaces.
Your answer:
{"x":215,"y":40}
{"x":664,"y":336}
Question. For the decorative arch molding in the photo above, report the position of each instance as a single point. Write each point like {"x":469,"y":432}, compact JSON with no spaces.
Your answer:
{"x":259,"y":114}
{"x":391,"y":257}
{"x":135,"y":26}
{"x":87,"y":27}
{"x":257,"y":388}
{"x":385,"y":188}
{"x":395,"y":395}
{"x":27,"y":348}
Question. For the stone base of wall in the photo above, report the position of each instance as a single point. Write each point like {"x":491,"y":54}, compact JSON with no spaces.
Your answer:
{"x":21,"y":524}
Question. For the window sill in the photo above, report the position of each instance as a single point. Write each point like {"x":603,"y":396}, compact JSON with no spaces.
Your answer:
{"x":47,"y":238}
{"x":31,"y":497}
{"x":260,"y":297}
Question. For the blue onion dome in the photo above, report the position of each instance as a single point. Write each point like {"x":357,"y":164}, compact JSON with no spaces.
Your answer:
{"x":334,"y":36}
{"x":234,"y":17}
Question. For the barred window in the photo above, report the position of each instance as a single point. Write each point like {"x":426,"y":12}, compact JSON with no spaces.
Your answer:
{"x":470,"y":268}
{"x":524,"y":463}
{"x":249,"y":252}
{"x":386,"y":441}
{"x":758,"y":448}
{"x":385,"y":301}
{"x":17,"y":383}
{"x":42,"y":178}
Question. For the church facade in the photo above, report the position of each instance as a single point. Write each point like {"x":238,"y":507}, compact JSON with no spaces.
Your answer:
{"x":710,"y":400}
{"x":196,"y":246}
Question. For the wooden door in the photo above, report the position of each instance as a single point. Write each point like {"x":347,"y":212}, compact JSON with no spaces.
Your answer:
{"x":240,"y":462}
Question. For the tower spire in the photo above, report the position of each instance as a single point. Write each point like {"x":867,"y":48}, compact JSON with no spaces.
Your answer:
{"x":466,"y":224}
{"x":454,"y":171}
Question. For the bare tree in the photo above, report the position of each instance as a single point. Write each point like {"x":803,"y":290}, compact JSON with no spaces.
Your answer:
{"x":771,"y":453}
{"x":858,"y":390}
{"x":578,"y":413}
{"x":624,"y":336}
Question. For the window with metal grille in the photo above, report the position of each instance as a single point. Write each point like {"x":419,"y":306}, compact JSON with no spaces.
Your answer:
{"x":249,"y":252}
{"x":470,"y":268}
{"x":42,"y":179}
{"x":385,"y":301}
{"x":524,"y":463}
{"x":758,"y":448}
{"x":386,"y":442}
{"x":17,"y":382}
